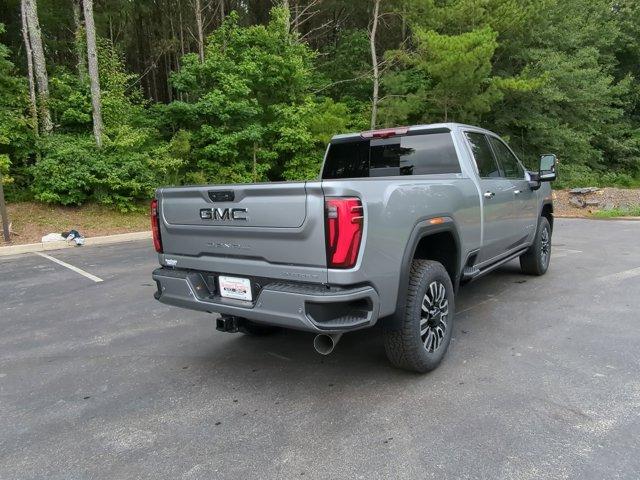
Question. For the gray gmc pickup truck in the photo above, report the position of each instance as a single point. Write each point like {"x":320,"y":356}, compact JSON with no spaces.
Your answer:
{"x":397,"y":221}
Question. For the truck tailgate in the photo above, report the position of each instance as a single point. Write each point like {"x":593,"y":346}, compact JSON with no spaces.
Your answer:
{"x":273,"y":230}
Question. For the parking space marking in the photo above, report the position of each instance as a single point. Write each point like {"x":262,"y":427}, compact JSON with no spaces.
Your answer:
{"x":560,"y":252}
{"x":70,"y":267}
{"x":625,"y":274}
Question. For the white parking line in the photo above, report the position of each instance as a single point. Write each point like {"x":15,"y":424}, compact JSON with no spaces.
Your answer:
{"x":559,"y":252}
{"x":70,"y":267}
{"x":634,"y":272}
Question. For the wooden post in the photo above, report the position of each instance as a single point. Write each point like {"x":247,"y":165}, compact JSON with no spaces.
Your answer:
{"x":3,"y":213}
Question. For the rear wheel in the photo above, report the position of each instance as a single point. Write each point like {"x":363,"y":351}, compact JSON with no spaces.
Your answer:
{"x":423,"y":336}
{"x":535,"y":261}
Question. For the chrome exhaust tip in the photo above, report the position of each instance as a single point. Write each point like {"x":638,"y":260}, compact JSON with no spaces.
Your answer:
{"x":324,"y":343}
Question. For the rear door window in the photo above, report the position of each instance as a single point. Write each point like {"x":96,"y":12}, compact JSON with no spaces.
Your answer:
{"x":347,"y":160}
{"x":507,"y":160}
{"x":487,"y":166}
{"x":423,"y":154}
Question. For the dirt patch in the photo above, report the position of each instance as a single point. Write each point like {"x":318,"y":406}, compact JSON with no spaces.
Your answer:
{"x":600,"y":199}
{"x":30,"y":221}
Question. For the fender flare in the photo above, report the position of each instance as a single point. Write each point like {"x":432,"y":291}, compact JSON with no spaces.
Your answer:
{"x":544,"y":203}
{"x":421,"y":230}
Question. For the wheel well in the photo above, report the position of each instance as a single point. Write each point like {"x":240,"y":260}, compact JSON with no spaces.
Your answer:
{"x":441,"y":247}
{"x":547,"y":212}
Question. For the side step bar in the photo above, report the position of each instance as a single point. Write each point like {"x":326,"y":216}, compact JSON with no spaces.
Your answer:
{"x":473,"y":272}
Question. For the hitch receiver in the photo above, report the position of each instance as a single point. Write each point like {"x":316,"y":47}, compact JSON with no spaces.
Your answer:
{"x":228,"y":323}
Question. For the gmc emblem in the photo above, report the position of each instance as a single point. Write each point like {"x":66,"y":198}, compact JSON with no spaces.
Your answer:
{"x":223,"y":214}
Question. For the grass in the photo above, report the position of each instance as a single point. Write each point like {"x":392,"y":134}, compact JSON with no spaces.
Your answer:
{"x":633,"y":211}
{"x":32,"y":220}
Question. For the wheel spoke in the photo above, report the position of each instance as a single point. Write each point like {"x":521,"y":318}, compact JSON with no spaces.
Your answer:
{"x":436,"y":341}
{"x":427,"y":302}
{"x":427,"y":341}
{"x":432,"y":292}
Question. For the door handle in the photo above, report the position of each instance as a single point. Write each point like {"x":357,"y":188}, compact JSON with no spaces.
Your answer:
{"x":489,"y":194}
{"x":516,"y":192}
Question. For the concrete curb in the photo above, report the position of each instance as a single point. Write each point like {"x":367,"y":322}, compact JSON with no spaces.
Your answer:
{"x":42,"y":247}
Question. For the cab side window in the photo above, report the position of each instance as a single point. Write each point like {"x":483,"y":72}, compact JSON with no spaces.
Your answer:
{"x":507,"y":160}
{"x":487,"y":166}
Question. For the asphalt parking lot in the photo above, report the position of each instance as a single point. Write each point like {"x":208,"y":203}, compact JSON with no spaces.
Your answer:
{"x":98,"y":380}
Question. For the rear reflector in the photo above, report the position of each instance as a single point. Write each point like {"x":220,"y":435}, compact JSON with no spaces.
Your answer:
{"x":344,"y":220}
{"x":385,"y":132}
{"x":155,"y":226}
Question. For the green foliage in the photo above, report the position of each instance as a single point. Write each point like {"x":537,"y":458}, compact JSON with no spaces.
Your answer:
{"x":70,"y":102}
{"x":63,"y":174}
{"x":5,"y":163}
{"x":128,"y":168}
{"x":252,"y":115}
{"x":549,"y":75}
{"x":346,"y":68}
{"x":630,"y":211}
{"x":446,"y":78}
{"x":122,"y":101}
{"x":16,"y":130}
{"x":134,"y":159}
{"x":572,"y":176}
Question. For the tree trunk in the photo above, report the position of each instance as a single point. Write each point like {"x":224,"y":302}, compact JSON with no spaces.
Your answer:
{"x":33,"y":109}
{"x":39,"y":64}
{"x":222,"y":12}
{"x":374,"y":62}
{"x":198,"y":12}
{"x":403,"y":17}
{"x":79,"y":40}
{"x":255,"y":162}
{"x":94,"y":78}
{"x":287,"y":7}
{"x":182,"y":50}
{"x":296,"y":21}
{"x":3,"y":213}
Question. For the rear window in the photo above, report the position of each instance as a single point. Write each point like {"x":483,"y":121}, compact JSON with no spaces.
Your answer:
{"x":422,"y":154}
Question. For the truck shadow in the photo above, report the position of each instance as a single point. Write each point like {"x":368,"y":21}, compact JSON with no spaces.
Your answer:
{"x":359,"y":354}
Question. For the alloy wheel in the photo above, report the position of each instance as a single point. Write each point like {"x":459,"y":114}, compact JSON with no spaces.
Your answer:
{"x":434,"y":316}
{"x":545,"y":246}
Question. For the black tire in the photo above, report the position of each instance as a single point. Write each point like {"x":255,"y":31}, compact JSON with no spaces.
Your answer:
{"x":408,"y":345}
{"x":535,"y":261}
{"x":255,"y":329}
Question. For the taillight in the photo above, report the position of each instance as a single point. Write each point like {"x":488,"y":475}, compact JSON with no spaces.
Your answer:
{"x":155,"y":226}
{"x":344,"y":217}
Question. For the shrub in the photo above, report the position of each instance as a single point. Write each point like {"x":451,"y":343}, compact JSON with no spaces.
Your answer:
{"x":126,"y":171}
{"x":573,"y":176}
{"x":63,"y":173}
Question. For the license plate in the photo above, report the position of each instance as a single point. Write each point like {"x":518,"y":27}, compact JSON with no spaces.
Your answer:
{"x":234,"y":287}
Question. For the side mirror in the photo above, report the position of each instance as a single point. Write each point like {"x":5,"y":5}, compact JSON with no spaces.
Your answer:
{"x":547,"y":170}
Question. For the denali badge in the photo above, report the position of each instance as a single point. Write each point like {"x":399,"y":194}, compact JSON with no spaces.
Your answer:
{"x":223,"y":214}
